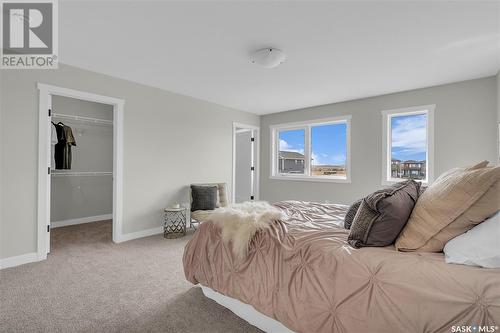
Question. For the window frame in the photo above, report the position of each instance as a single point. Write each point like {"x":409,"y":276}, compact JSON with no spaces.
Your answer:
{"x":306,"y":126}
{"x":387,"y":116}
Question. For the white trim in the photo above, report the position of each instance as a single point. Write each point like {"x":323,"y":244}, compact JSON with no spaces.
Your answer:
{"x":320,"y":121}
{"x":43,"y":202}
{"x":246,"y":312}
{"x":256,"y":159}
{"x":306,"y":126}
{"x":139,"y":234}
{"x":321,"y":179}
{"x":43,"y":215}
{"x":78,"y":94}
{"x":18,"y":260}
{"x":34,"y":256}
{"x":80,"y":220}
{"x":386,"y":139}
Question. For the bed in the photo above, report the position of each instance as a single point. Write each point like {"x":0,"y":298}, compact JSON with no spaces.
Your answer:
{"x":302,"y":273}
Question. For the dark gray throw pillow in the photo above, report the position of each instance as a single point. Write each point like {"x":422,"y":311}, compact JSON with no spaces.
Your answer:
{"x":204,"y":197}
{"x":351,"y":212}
{"x":383,"y":214}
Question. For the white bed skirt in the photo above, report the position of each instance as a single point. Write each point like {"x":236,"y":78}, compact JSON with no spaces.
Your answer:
{"x":246,"y":312}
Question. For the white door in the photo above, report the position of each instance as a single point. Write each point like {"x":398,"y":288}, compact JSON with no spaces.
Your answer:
{"x":50,"y":158}
{"x":244,"y":165}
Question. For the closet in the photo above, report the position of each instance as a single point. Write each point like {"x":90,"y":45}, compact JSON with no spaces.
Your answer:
{"x":81,"y":172}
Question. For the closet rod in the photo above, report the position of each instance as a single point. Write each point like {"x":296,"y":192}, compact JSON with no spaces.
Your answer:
{"x":81,"y":118}
{"x":81,"y":173}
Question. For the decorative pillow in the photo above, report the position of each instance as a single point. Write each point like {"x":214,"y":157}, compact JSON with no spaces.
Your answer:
{"x":478,"y":246}
{"x":383,"y":214}
{"x":204,"y":197}
{"x":483,"y":208}
{"x":351,"y":212}
{"x":442,"y":202}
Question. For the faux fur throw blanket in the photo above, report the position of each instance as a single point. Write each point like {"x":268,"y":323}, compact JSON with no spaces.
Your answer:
{"x":240,"y":222}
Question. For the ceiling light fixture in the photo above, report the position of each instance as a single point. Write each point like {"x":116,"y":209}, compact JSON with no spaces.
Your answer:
{"x":268,"y":57}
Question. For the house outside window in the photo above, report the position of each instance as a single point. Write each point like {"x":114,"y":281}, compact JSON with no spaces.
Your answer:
{"x":408,"y":144}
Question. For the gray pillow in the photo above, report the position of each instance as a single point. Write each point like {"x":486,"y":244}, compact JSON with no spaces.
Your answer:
{"x":383,"y":214}
{"x":351,"y":212}
{"x":204,"y":197}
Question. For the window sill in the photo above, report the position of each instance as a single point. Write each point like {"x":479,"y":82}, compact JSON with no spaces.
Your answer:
{"x":313,"y":179}
{"x":394,"y":181}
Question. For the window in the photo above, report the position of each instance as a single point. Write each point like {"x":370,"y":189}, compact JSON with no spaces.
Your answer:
{"x":291,"y":151}
{"x":408,"y":146}
{"x":316,"y":150}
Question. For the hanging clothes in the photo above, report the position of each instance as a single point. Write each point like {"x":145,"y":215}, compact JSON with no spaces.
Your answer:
{"x":53,"y":141}
{"x":65,"y":139}
{"x":53,"y":135}
{"x":70,"y":141}
{"x":60,"y":146}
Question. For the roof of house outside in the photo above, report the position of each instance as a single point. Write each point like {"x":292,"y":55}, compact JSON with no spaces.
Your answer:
{"x":407,"y":161}
{"x":290,"y":155}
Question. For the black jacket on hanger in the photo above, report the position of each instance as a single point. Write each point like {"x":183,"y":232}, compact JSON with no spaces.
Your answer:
{"x":60,"y":145}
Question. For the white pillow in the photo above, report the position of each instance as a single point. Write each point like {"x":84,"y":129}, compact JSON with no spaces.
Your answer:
{"x":479,"y":246}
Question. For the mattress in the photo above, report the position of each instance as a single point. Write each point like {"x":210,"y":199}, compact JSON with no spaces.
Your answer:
{"x":302,"y":273}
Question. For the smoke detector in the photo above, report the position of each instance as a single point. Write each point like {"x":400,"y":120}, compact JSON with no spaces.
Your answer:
{"x":268,"y":57}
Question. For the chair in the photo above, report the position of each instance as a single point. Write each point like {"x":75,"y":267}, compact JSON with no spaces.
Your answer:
{"x":198,"y":216}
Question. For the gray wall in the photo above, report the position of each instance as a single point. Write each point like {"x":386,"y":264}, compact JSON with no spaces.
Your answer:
{"x":84,"y":196}
{"x":498,"y":117}
{"x":465,"y":132}
{"x":170,"y":141}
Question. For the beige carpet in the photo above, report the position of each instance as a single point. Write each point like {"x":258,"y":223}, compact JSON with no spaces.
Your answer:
{"x":89,"y":284}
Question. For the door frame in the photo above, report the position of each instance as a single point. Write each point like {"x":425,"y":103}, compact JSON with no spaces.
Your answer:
{"x":256,"y":160}
{"x":44,"y":159}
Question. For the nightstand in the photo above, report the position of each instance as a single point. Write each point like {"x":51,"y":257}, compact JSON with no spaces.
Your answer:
{"x":174,"y":222}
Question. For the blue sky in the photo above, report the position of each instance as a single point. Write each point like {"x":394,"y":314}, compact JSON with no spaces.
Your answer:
{"x":328,"y":143}
{"x":292,"y":140}
{"x":409,"y":137}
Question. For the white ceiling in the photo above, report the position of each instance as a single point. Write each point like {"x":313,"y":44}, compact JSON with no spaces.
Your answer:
{"x":336,"y":51}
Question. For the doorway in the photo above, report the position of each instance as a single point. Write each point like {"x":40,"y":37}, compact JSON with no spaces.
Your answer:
{"x":245,"y":163}
{"x":84,"y":178}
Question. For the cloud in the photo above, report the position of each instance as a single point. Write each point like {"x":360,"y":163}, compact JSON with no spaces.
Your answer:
{"x":315,"y":160}
{"x":285,"y":146}
{"x":338,"y":159}
{"x":326,"y":159}
{"x":409,"y":134}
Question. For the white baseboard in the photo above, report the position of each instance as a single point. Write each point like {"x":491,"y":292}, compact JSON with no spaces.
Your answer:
{"x":139,"y":234}
{"x":18,"y":260}
{"x":88,"y":219}
{"x":33,"y":257}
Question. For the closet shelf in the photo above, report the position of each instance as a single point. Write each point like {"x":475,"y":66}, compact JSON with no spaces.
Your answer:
{"x":81,"y":118}
{"x":80,"y":173}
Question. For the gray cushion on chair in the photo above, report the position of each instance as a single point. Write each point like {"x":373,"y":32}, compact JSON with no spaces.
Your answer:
{"x":204,"y":197}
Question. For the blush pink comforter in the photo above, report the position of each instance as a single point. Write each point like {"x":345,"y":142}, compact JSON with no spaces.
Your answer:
{"x":303,"y":273}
